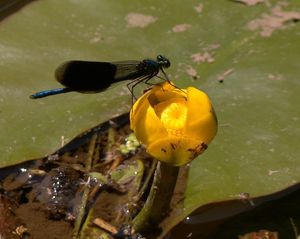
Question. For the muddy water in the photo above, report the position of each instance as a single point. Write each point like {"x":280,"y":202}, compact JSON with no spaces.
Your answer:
{"x":102,"y":174}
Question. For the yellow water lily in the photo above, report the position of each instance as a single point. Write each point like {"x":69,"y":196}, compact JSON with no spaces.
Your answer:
{"x":176,"y":125}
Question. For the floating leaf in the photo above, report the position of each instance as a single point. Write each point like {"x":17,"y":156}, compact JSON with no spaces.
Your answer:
{"x":256,"y":150}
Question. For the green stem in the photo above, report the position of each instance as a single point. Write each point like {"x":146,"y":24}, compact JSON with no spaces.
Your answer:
{"x":146,"y":181}
{"x":157,"y":205}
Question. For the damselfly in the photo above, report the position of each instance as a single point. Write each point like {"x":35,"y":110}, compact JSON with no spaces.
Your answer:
{"x":93,"y":77}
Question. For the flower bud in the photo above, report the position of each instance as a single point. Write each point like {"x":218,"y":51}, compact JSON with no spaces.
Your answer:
{"x":176,"y":125}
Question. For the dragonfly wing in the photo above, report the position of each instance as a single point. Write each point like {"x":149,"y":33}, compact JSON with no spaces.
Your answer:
{"x":86,"y":76}
{"x":127,"y":70}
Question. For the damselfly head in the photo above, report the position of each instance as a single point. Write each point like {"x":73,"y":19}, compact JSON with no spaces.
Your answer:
{"x":163,"y":61}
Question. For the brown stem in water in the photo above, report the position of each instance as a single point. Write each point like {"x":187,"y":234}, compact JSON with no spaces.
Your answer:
{"x":157,"y":205}
{"x":82,"y":207}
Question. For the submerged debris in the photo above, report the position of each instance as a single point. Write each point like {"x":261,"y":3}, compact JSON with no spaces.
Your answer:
{"x":103,"y":173}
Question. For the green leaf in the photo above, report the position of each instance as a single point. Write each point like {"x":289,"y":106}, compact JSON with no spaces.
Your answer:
{"x":256,"y":150}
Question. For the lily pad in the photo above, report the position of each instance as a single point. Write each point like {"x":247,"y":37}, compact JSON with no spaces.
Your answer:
{"x":252,"y":79}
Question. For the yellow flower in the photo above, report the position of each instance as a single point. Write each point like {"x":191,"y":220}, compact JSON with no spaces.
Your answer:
{"x":176,"y":125}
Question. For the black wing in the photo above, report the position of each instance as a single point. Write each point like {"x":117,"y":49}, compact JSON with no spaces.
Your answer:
{"x":89,"y":76}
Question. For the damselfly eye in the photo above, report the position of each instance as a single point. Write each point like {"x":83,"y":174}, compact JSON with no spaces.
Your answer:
{"x":163,"y":61}
{"x":167,"y":63}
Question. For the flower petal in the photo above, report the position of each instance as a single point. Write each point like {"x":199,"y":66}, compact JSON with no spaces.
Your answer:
{"x":198,"y":103}
{"x":165,"y":92}
{"x":176,"y":151}
{"x":204,"y":129}
{"x":144,"y":121}
{"x":201,"y":119}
